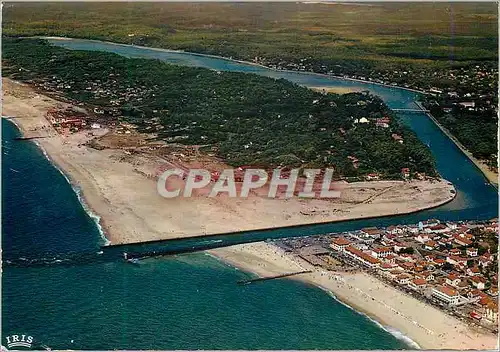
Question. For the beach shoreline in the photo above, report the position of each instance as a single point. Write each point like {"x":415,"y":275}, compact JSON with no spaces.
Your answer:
{"x":396,"y":312}
{"x":79,"y":194}
{"x":130,"y":210}
{"x":74,"y":186}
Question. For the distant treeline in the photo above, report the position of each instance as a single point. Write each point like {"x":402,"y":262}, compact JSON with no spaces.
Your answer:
{"x":245,"y":118}
{"x":371,"y":40}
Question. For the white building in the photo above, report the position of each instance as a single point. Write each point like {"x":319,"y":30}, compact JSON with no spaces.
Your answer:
{"x":478,"y":282}
{"x":403,"y":279}
{"x":422,"y":237}
{"x":340,"y":243}
{"x":446,"y":295}
{"x":491,"y":312}
{"x":418,"y":284}
{"x":467,"y":104}
{"x":381,"y":252}
{"x":362,"y":257}
{"x":453,"y":280}
{"x":471,"y":252}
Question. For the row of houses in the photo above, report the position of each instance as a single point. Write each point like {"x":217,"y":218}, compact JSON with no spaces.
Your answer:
{"x":414,"y":257}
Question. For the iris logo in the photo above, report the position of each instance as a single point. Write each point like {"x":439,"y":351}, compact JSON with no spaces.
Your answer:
{"x":19,"y":341}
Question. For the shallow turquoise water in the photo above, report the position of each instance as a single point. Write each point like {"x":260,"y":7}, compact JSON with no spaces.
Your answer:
{"x":190,"y":301}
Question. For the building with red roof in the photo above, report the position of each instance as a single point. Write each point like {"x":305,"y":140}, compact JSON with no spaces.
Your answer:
{"x":478,"y":282}
{"x":430,"y":245}
{"x":418,"y":284}
{"x":340,"y":243}
{"x":381,"y":252}
{"x":405,"y":172}
{"x":362,"y":257}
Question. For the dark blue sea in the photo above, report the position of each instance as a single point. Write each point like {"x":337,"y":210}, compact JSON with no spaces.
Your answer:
{"x":59,"y":288}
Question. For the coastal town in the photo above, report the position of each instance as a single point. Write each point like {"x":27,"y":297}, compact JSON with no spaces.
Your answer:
{"x":452,"y":266}
{"x":305,"y":175}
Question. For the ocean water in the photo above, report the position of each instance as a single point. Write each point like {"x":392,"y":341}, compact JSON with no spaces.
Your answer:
{"x":186,"y":302}
{"x":180,"y":302}
{"x":59,"y":289}
{"x":36,"y":202}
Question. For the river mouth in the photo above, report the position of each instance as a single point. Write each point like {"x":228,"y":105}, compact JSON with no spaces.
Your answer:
{"x":474,"y":200}
{"x":192,"y":301}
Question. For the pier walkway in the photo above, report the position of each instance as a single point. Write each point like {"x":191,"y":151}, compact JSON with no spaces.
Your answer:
{"x":246,"y":282}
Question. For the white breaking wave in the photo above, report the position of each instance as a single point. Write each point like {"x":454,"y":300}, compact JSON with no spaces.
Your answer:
{"x":400,"y":336}
{"x":394,"y":332}
{"x":93,"y":216}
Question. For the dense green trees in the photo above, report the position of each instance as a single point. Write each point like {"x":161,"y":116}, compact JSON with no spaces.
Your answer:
{"x":357,"y":38}
{"x":247,"y":118}
{"x":476,"y":130}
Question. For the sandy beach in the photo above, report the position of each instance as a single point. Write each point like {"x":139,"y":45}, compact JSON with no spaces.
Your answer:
{"x":429,"y":327}
{"x":120,"y":187}
{"x":337,"y":90}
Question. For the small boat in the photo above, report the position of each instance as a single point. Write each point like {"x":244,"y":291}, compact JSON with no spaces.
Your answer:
{"x":134,"y":261}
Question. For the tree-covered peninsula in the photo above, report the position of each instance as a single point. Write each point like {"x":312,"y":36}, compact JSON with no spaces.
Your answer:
{"x":245,"y":119}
